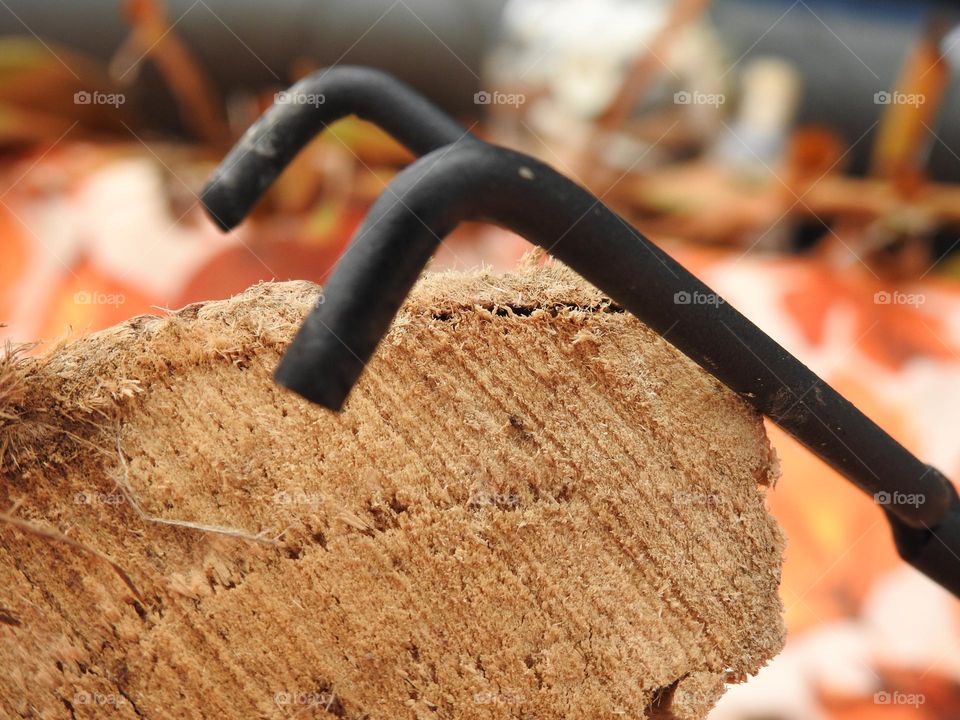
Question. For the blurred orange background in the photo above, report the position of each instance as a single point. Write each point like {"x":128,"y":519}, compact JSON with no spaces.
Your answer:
{"x":100,"y":222}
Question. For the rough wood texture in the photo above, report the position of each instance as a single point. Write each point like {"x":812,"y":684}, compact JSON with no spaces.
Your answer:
{"x":531,"y":507}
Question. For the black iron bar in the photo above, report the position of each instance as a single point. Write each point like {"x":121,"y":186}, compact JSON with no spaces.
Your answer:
{"x":477,"y":181}
{"x":306,"y":109}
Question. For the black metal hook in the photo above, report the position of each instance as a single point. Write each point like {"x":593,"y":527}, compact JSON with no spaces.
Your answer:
{"x":477,"y":181}
{"x":306,"y":109}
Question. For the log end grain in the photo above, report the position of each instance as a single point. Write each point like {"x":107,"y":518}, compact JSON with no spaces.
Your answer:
{"x":532,"y":506}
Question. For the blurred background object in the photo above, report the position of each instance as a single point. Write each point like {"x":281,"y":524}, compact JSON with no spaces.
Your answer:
{"x":798,"y":156}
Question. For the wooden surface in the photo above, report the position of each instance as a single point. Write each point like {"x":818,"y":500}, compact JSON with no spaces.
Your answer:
{"x":532,"y":506}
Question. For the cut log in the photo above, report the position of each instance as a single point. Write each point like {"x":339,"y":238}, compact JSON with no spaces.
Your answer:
{"x":531,"y":506}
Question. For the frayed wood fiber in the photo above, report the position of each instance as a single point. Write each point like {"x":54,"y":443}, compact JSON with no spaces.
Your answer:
{"x":531,"y":507}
